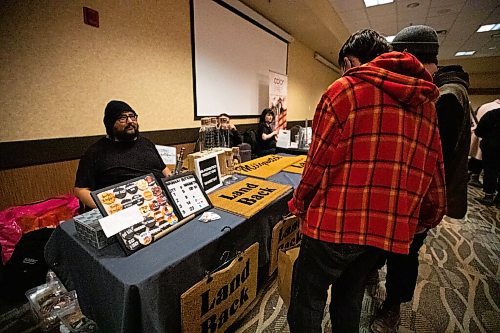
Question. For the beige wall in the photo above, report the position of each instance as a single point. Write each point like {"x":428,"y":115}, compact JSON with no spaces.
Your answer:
{"x":57,"y":73}
{"x":478,"y":100}
{"x":307,"y":81}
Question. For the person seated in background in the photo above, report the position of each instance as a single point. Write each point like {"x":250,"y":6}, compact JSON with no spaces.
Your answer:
{"x":266,"y":134}
{"x":121,"y":155}
{"x":232,"y":138}
{"x":476,"y":157}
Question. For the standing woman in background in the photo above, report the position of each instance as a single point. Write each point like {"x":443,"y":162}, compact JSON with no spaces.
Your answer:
{"x":266,"y":135}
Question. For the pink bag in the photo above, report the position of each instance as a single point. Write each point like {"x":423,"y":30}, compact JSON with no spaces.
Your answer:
{"x":18,"y":220}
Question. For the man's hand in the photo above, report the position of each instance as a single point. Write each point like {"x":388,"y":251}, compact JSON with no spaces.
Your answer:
{"x":420,"y":229}
{"x":84,"y":195}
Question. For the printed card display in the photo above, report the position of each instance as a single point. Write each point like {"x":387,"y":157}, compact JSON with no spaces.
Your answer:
{"x":208,"y":171}
{"x":158,"y":216}
{"x":186,"y":194}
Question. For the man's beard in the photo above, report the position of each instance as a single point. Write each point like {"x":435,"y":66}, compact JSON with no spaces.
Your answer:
{"x":125,"y":136}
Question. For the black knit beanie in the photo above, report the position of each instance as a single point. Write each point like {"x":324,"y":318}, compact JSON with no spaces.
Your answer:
{"x":111,"y":113}
{"x":417,"y":39}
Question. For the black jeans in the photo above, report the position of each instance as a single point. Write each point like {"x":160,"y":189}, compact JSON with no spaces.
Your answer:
{"x":402,"y":273}
{"x":475,"y":166}
{"x":318,"y":265}
{"x":491,"y":164}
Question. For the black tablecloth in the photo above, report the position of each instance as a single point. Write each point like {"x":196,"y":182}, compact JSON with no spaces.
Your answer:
{"x":141,"y":292}
{"x":292,"y":151}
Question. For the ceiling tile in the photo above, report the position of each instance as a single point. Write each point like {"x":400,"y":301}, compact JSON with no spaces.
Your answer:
{"x":388,"y":9}
{"x":445,"y":3}
{"x":444,"y":22}
{"x":343,"y":6}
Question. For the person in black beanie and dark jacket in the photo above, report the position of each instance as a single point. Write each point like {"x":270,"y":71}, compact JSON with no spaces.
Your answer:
{"x":402,"y":270}
{"x":453,"y":109}
{"x":488,"y":129}
{"x":122,"y":155}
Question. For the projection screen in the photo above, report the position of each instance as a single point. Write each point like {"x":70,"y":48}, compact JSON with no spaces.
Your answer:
{"x":231,"y":61}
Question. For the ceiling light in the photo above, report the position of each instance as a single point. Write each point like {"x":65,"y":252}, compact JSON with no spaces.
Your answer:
{"x":464,"y":53}
{"x":412,"y":5}
{"x":390,"y":38}
{"x":492,"y":48}
{"x":371,"y":3}
{"x":489,"y":27}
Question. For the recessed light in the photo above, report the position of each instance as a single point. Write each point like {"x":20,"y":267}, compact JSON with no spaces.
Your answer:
{"x":492,"y":48}
{"x":371,"y":3}
{"x":489,"y":27}
{"x":390,"y":38}
{"x":413,"y":5}
{"x":464,"y":53}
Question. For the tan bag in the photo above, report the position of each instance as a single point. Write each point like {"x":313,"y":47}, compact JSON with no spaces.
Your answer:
{"x":286,"y":260}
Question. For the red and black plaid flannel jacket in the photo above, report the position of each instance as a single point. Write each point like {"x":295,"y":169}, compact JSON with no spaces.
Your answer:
{"x":375,"y":167}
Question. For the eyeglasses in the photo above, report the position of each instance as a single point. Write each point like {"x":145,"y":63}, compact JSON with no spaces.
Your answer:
{"x":123,"y":118}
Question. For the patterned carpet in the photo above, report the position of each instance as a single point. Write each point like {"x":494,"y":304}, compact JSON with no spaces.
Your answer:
{"x":458,"y":288}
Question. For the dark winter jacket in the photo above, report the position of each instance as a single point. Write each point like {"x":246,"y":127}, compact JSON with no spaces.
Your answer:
{"x":453,"y":111}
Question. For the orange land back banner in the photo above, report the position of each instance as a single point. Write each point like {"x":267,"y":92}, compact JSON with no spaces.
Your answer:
{"x":286,"y":234}
{"x":248,"y":196}
{"x":266,"y":166}
{"x":214,"y":303}
{"x":297,"y":167}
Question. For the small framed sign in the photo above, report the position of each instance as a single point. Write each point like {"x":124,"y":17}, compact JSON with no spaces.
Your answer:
{"x":145,"y":196}
{"x":186,"y":194}
{"x":208,"y":171}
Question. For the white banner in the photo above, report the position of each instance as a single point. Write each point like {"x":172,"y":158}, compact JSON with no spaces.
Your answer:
{"x":278,"y":91}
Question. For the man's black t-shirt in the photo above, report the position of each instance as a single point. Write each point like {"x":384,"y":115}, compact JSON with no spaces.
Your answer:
{"x":109,"y":162}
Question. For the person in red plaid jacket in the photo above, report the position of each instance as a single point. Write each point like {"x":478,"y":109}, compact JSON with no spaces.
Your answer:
{"x":373,"y":177}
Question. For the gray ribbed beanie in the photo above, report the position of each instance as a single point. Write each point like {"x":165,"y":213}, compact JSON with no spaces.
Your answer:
{"x":417,"y":39}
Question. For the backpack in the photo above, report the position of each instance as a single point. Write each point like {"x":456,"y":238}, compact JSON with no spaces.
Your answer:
{"x":27,"y":267}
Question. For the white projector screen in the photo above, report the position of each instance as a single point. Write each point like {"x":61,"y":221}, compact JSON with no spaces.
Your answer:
{"x":232,"y":60}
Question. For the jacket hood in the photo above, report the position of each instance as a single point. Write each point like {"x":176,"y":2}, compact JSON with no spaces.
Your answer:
{"x":451,"y":74}
{"x":400,"y":75}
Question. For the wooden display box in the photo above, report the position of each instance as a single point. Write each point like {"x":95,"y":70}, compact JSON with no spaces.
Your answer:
{"x":221,"y":155}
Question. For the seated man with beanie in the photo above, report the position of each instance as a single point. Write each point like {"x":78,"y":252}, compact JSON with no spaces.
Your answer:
{"x":122,"y":155}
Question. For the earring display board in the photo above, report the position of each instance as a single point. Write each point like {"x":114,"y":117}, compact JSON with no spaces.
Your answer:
{"x":186,"y":194}
{"x":217,"y":301}
{"x":145,"y":193}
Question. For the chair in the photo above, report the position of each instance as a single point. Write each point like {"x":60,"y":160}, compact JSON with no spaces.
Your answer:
{"x":245,"y":152}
